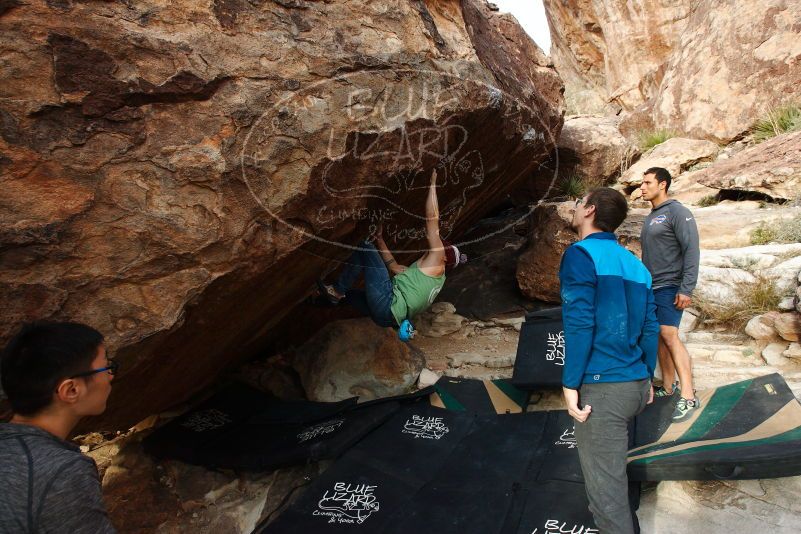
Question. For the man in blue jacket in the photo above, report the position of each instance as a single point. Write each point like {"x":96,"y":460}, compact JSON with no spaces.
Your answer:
{"x":611,"y":335}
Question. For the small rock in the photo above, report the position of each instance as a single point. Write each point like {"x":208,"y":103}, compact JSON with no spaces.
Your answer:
{"x":514,"y":322}
{"x":787,"y":304}
{"x":427,"y":378}
{"x":773,"y":354}
{"x":498,"y":362}
{"x":437,"y":365}
{"x":442,"y":307}
{"x":440,"y":320}
{"x":466,"y":358}
{"x":465,"y":332}
{"x":788,"y":325}
{"x":761,"y":327}
{"x":793,"y":351}
{"x":491,"y":332}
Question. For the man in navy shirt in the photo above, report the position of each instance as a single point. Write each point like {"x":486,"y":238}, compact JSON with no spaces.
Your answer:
{"x":611,"y":335}
{"x":671,"y":252}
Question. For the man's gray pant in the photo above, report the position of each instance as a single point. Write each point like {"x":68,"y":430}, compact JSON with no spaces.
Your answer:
{"x":603,"y":442}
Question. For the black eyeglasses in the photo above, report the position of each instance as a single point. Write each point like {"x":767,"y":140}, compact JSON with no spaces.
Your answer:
{"x":112,"y":368}
{"x":578,"y":201}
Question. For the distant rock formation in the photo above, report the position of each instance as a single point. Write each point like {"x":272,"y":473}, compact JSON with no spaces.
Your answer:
{"x":612,"y":52}
{"x":705,"y":69}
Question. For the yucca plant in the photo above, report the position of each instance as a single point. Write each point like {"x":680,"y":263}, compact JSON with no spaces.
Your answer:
{"x":649,"y":139}
{"x":776,"y":121}
{"x":573,"y":186}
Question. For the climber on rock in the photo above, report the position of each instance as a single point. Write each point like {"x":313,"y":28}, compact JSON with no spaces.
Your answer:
{"x":394,"y":293}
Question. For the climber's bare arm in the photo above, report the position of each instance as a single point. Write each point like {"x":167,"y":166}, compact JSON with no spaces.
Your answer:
{"x":389,"y":260}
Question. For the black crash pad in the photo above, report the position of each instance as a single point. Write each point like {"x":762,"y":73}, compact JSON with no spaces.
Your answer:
{"x":540,"y":351}
{"x":242,"y":428}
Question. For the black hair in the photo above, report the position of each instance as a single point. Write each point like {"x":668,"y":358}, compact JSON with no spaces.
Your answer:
{"x":611,"y":208}
{"x":41,"y":355}
{"x":662,"y":175}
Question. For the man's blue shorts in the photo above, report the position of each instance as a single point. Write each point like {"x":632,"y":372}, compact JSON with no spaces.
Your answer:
{"x":666,"y":312}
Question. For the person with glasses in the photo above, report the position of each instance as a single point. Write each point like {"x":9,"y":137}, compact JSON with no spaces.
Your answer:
{"x":53,"y":374}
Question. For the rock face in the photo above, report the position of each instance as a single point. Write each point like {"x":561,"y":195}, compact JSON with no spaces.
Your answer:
{"x":356,"y":358}
{"x":177,"y":174}
{"x":706,"y":68}
{"x":485,"y":287}
{"x":538,"y":265}
{"x":613,"y":51}
{"x":593,"y":148}
{"x":733,"y":60}
{"x":772,"y":168}
{"x":676,"y":155}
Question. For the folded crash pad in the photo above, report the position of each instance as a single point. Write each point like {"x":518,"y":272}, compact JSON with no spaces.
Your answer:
{"x":746,"y":430}
{"x":540,"y":350}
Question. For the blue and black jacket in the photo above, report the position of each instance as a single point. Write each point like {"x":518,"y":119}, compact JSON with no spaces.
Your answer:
{"x":608,"y":311}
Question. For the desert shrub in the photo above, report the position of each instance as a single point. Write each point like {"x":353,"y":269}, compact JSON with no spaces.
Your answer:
{"x":709,"y":200}
{"x":781,"y":231}
{"x":753,"y":298}
{"x":649,"y":139}
{"x":776,"y":121}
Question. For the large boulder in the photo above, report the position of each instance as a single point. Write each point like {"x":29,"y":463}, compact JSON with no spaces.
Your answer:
{"x":611,"y":51}
{"x":538,"y":265}
{"x":178,"y":174}
{"x":593,"y":147}
{"x":734,"y":59}
{"x":676,"y":155}
{"x":772,"y":168}
{"x":551,"y":234}
{"x":355,"y":357}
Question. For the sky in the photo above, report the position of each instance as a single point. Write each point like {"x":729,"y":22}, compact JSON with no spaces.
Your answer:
{"x":531,"y":15}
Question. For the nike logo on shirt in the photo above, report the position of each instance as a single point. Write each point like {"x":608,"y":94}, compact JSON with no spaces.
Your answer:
{"x":688,"y":219}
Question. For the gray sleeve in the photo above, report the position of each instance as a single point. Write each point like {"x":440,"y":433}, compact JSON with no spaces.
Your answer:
{"x":74,"y":502}
{"x":686,"y":232}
